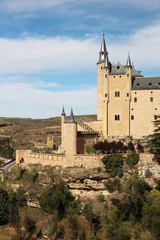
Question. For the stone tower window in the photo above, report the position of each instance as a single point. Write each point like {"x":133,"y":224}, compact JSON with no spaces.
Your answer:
{"x":118,"y":67}
{"x":117,"y":117}
{"x":137,"y":84}
{"x":117,"y":93}
{"x":150,"y":84}
{"x":132,"y":117}
{"x":127,"y":94}
{"x":135,"y":99}
{"x":106,"y":95}
{"x":105,"y":75}
{"x":151,"y":99}
{"x":127,"y":74}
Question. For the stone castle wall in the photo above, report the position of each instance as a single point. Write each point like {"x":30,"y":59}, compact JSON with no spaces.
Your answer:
{"x":79,"y":160}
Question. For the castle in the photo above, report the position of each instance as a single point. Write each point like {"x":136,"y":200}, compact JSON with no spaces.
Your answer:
{"x":127,"y":104}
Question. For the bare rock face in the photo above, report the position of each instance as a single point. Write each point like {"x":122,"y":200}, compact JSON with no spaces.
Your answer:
{"x":82,"y":182}
{"x":86,"y":183}
{"x":149,"y":169}
{"x":90,"y":183}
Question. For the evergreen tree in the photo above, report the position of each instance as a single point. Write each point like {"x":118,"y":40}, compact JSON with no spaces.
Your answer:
{"x":4,"y":207}
{"x":154,"y":142}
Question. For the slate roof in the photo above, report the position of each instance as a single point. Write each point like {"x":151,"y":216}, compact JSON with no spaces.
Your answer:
{"x":146,"y":83}
{"x":121,"y":69}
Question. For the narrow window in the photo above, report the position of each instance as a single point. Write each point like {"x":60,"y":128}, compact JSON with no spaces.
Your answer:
{"x":132,"y":117}
{"x":127,"y":94}
{"x":137,"y":84}
{"x":150,"y":84}
{"x":155,"y":117}
{"x":118,"y":94}
{"x":127,"y":74}
{"x":114,"y":76}
{"x":117,"y":117}
{"x":151,"y":99}
{"x":135,"y":99}
{"x":106,"y":95}
{"x":105,"y":75}
{"x":119,"y":76}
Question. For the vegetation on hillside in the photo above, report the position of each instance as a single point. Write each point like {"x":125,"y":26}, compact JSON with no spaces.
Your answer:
{"x":131,"y":214}
{"x":154,"y":142}
{"x":6,"y":150}
{"x":113,"y":147}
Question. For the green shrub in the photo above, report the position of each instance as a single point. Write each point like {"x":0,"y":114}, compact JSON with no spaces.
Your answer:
{"x":114,"y":185}
{"x":4,"y":207}
{"x":20,"y":196}
{"x":17,"y":172}
{"x":140,"y":147}
{"x":34,"y":175}
{"x":90,"y":149}
{"x":132,"y":159}
{"x":29,"y":225}
{"x":58,"y":198}
{"x":113,"y":164}
{"x":100,"y":198}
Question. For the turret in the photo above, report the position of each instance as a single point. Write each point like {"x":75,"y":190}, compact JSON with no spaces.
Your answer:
{"x":103,"y":56}
{"x":71,"y":118}
{"x":103,"y":51}
{"x":63,"y":115}
{"x":128,"y":78}
{"x":70,"y":137}
{"x":106,"y":96}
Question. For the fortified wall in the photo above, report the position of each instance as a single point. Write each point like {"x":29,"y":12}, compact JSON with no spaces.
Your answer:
{"x":26,"y":157}
{"x":87,"y":161}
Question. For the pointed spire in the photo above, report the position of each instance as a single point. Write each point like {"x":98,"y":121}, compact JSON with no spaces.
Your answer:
{"x":63,"y":112}
{"x":71,"y":118}
{"x":128,"y":63}
{"x":103,"y":51}
{"x":107,"y":62}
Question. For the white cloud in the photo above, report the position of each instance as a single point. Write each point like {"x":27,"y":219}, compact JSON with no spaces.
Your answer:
{"x":24,"y":101}
{"x":143,"y":45}
{"x":62,"y":54}
{"x":35,"y":55}
{"x":36,"y":5}
{"x":31,"y":5}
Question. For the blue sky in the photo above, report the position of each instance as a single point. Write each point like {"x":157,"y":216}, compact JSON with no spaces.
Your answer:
{"x":49,"y":50}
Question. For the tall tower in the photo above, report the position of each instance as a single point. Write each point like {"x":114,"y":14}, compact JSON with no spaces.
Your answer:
{"x":63,"y":115}
{"x":106,"y":96}
{"x":128,"y":79}
{"x":100,"y":78}
{"x":70,"y":138}
{"x":128,"y":89}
